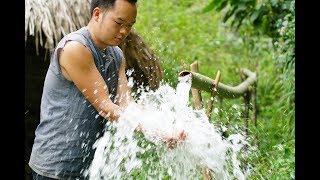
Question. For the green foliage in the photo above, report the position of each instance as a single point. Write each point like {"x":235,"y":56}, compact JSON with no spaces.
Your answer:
{"x":179,"y":34}
{"x":263,"y":15}
{"x":258,"y":35}
{"x":285,"y":57}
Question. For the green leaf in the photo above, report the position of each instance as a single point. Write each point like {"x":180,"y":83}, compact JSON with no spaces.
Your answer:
{"x":229,"y":14}
{"x":221,"y":5}
{"x":215,"y":4}
{"x":254,"y":16}
{"x":210,"y":6}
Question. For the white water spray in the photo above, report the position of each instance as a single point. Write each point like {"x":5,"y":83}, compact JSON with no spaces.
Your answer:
{"x":123,"y":153}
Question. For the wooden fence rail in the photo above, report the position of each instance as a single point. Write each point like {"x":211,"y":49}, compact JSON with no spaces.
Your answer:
{"x":246,"y":89}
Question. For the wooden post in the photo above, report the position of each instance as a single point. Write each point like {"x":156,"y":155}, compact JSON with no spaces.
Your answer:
{"x":254,"y":109}
{"x":246,"y":98}
{"x":254,"y":104}
{"x":196,"y":94}
{"x":213,"y":94}
{"x":206,"y":173}
{"x":220,"y":101}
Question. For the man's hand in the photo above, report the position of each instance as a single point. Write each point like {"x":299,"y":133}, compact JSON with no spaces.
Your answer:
{"x":172,"y":142}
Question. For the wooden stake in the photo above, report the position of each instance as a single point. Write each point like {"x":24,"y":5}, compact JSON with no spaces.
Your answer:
{"x":213,"y":94}
{"x":196,"y":94}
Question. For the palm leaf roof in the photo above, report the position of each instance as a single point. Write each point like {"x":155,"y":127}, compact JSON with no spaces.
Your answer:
{"x":49,"y":20}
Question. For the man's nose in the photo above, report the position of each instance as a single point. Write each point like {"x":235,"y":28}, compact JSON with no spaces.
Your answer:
{"x":124,"y":29}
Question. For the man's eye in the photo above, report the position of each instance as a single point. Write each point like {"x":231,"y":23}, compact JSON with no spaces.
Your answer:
{"x":118,"y":23}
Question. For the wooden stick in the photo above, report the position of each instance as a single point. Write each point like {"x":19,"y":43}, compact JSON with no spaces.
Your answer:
{"x":213,"y":94}
{"x":246,"y":98}
{"x":196,"y":94}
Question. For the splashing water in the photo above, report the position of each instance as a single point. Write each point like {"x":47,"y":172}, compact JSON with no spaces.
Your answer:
{"x":123,"y":153}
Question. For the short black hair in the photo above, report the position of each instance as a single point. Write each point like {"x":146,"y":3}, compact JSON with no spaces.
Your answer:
{"x":105,"y":4}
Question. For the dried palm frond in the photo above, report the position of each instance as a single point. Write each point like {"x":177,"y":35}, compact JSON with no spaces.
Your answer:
{"x":54,"y":19}
{"x":140,"y":57}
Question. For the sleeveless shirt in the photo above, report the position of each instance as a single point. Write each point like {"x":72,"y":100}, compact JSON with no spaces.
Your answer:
{"x":69,"y":124}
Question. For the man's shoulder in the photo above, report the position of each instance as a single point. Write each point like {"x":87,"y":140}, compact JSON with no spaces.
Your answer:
{"x":78,"y":35}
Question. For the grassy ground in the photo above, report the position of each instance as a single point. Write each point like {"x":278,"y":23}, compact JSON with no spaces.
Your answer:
{"x":180,"y":34}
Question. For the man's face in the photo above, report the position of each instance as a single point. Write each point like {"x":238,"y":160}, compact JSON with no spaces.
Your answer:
{"x":116,"y":23}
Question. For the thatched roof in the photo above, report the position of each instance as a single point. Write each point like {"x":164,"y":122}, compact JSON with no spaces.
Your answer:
{"x":54,"y":19}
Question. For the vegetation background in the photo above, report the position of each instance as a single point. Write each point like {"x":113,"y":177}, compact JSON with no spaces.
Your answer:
{"x":226,"y":36}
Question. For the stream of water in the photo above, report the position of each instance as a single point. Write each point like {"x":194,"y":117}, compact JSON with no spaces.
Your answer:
{"x":124,"y":153}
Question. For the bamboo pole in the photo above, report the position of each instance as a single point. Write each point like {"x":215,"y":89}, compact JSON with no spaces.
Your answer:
{"x":196,"y":94}
{"x":205,"y":83}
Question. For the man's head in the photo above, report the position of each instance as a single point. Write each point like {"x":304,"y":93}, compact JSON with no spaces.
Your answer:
{"x":112,"y":20}
{"x":106,"y":4}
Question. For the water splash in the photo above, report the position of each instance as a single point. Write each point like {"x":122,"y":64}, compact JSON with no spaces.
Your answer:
{"x":123,"y":153}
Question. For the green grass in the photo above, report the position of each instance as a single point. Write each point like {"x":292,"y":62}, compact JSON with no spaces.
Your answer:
{"x":180,"y":33}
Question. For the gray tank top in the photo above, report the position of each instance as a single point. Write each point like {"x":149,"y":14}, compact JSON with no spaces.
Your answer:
{"x":69,"y":124}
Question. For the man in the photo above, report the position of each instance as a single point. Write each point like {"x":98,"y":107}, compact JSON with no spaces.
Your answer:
{"x":85,"y":86}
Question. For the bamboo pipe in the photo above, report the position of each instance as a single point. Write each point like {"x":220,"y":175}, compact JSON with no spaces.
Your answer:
{"x":205,"y":83}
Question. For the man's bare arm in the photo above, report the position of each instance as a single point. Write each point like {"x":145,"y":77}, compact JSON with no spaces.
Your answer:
{"x":123,"y":90}
{"x":78,"y":66}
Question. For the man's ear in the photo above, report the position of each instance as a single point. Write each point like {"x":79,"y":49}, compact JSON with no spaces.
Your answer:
{"x":97,"y":12}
